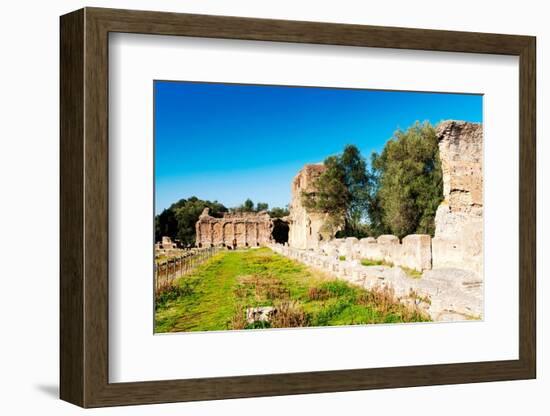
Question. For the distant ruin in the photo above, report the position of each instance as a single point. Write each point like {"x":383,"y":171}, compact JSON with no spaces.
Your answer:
{"x":307,"y":229}
{"x":166,"y":244}
{"x":239,"y":229}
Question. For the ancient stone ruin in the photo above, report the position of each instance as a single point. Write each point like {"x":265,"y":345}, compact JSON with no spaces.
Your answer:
{"x":413,"y":252}
{"x":166,"y":244}
{"x":451,"y":263}
{"x":239,"y":229}
{"x":458,"y":240}
{"x":306,"y":228}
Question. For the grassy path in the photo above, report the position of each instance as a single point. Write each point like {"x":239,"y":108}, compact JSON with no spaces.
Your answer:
{"x":209,"y":300}
{"x":217,"y":294}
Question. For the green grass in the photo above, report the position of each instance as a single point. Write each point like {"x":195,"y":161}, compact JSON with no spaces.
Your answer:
{"x":368,"y":262}
{"x":216,"y":295}
{"x":415,"y":274}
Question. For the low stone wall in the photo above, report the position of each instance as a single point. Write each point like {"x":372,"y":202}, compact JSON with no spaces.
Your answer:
{"x":414,"y":252}
{"x":445,"y":294}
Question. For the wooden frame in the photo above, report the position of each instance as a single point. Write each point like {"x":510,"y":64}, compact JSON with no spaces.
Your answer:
{"x":84,"y":207}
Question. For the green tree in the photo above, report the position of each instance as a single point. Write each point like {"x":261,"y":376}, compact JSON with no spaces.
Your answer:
{"x":166,"y":224}
{"x":178,"y":221}
{"x":262,"y":206}
{"x":408,"y":184}
{"x":248,"y":206}
{"x":278,"y":212}
{"x":342,"y":191}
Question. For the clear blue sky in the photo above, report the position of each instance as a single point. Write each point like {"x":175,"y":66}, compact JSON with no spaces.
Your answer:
{"x":229,"y":142}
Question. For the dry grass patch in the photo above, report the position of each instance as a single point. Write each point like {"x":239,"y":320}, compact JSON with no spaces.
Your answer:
{"x":289,"y":314}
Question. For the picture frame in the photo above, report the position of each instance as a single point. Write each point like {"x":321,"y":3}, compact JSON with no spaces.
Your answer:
{"x":84,"y":214}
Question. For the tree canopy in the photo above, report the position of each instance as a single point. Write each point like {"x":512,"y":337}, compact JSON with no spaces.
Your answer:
{"x":408,"y":183}
{"x":278,"y":212}
{"x":399,"y":193}
{"x":341,"y":191}
{"x":178,"y":221}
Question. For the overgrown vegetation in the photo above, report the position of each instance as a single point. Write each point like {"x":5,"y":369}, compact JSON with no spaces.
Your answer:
{"x":397,"y":194}
{"x":218,"y":294}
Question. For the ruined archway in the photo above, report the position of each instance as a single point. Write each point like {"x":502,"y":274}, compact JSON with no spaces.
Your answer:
{"x":280,"y":231}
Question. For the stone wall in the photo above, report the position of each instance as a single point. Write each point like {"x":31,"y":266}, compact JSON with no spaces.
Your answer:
{"x":306,"y":228}
{"x":249,"y":229}
{"x":445,"y":295}
{"x":458,"y":240}
{"x":414,"y":252}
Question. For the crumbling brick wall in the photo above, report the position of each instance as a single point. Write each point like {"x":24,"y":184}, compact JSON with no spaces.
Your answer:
{"x":246,"y":229}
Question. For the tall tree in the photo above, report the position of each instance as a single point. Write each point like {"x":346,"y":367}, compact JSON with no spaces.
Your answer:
{"x":248,"y":206}
{"x":409,"y":183}
{"x":166,"y":224}
{"x":342,"y":192}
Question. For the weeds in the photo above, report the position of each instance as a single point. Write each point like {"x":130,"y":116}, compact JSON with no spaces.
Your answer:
{"x":238,"y":320}
{"x":368,"y":262}
{"x":415,"y":274}
{"x":172,"y":290}
{"x":413,"y":294}
{"x":382,"y":298}
{"x":316,"y":293}
{"x":289,"y":314}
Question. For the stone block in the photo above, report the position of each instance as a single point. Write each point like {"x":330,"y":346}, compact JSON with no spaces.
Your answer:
{"x":387,"y":239}
{"x":416,"y":252}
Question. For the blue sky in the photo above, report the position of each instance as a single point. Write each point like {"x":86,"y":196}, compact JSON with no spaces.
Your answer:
{"x":229,"y":142}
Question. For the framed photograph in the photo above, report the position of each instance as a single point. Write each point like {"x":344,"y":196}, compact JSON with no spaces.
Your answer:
{"x":255,"y":207}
